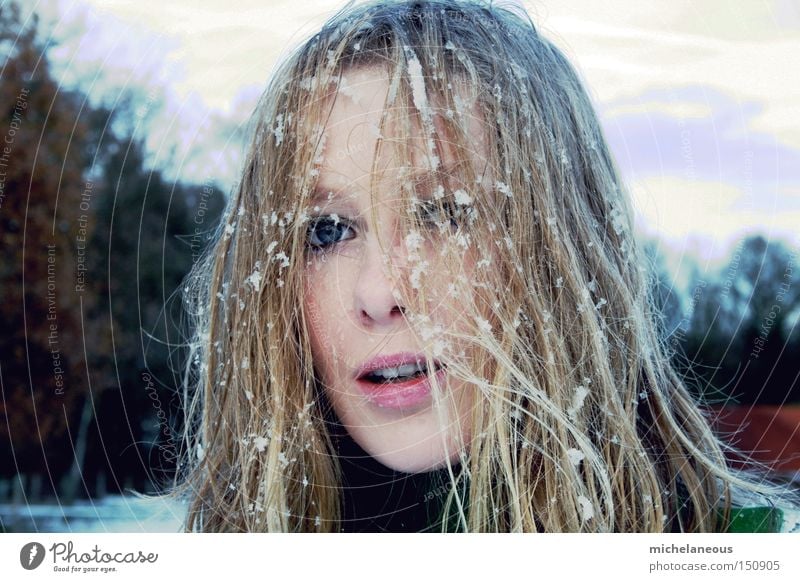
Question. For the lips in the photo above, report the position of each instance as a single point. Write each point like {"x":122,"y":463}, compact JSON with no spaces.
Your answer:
{"x":394,"y":368}
{"x":398,"y":381}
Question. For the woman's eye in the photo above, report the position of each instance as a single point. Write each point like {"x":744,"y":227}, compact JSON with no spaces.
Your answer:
{"x":434,"y":214}
{"x":325,"y":231}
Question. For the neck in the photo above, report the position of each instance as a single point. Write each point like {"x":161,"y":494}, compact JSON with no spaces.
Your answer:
{"x":377,"y":498}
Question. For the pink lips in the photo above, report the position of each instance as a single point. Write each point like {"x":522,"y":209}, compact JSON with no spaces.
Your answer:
{"x":397,"y":395}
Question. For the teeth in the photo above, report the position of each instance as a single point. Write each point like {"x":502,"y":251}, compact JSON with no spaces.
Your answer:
{"x":399,"y":371}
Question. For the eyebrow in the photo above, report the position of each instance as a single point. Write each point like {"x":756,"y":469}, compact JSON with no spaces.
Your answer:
{"x":424,"y":181}
{"x":321,"y":194}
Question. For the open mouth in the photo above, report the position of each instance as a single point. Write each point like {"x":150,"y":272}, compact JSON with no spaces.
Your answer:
{"x":398,"y":374}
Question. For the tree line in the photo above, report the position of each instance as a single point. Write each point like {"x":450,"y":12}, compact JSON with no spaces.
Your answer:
{"x":95,"y":246}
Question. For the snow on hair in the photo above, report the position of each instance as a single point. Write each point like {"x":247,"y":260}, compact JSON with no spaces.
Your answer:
{"x":581,"y":423}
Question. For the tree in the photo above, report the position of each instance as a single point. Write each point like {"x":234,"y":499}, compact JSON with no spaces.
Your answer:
{"x":738,"y":341}
{"x":144,"y":244}
{"x":95,"y":246}
{"x":42,"y":160}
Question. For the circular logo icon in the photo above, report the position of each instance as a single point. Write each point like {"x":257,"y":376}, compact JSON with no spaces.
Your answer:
{"x":31,"y":555}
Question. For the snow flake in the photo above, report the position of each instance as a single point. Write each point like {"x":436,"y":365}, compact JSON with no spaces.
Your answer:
{"x":278,"y":129}
{"x":255,"y":277}
{"x":417,"y":83}
{"x":617,"y":221}
{"x":347,"y":90}
{"x":460,"y":104}
{"x":575,"y":456}
{"x":420,"y":98}
{"x":429,"y":331}
{"x":497,"y":92}
{"x":504,"y":189}
{"x":439,"y":347}
{"x":260,"y":443}
{"x":484,"y":262}
{"x":283,"y":258}
{"x":413,"y":241}
{"x":483,"y":325}
{"x":581,"y":392}
{"x":307,"y":83}
{"x":416,"y":273}
{"x":587,"y":509}
{"x":462,"y":198}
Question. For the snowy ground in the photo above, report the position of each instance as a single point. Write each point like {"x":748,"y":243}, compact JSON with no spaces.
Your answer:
{"x":126,"y":514}
{"x":115,"y":513}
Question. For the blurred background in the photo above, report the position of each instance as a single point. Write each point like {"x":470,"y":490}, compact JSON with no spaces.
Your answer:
{"x":123,"y":126}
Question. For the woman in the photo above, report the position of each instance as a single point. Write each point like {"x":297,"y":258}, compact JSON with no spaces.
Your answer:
{"x":426,"y":293}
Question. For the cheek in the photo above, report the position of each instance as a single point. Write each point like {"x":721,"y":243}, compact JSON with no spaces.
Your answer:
{"x":324,"y":305}
{"x":452,"y":292}
{"x":315,"y":303}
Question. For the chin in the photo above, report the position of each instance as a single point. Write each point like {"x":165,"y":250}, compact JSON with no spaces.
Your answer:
{"x":419,"y":457}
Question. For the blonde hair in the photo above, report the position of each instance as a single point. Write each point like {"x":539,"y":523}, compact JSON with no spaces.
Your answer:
{"x":580,"y":423}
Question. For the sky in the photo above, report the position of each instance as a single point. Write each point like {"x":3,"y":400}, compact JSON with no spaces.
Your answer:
{"x":699,"y":100}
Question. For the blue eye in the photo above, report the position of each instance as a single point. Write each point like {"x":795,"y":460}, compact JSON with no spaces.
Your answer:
{"x":434,"y":215}
{"x":325,"y":231}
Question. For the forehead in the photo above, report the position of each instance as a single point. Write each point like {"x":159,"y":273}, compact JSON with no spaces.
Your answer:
{"x":360,"y":119}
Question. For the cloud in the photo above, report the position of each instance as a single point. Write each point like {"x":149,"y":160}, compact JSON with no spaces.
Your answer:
{"x":742,"y":49}
{"x":706,"y":216}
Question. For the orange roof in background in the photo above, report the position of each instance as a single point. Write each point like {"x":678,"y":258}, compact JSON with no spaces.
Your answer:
{"x":769,"y":434}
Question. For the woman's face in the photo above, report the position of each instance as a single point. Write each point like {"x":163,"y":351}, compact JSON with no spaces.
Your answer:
{"x":370,"y":362}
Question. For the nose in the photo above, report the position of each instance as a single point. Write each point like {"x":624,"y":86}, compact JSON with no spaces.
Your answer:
{"x":377,"y":299}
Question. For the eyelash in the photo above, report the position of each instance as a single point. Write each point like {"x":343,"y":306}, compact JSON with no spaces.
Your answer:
{"x":343,"y":226}
{"x":427,"y":216}
{"x":430,"y":214}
